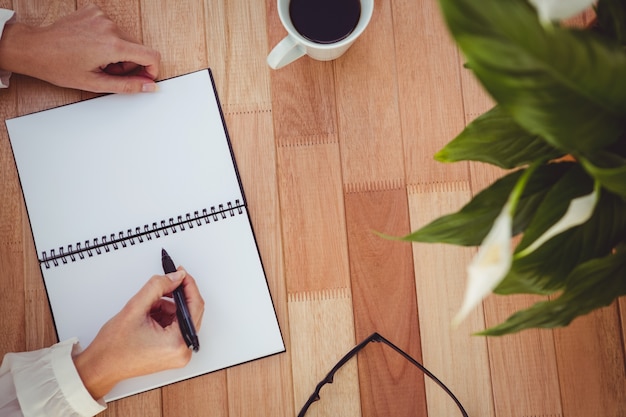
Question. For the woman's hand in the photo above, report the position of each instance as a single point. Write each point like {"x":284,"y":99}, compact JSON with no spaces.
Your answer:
{"x":143,"y":338}
{"x":84,"y":50}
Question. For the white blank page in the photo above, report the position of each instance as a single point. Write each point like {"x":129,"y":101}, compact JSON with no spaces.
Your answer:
{"x":104,"y":165}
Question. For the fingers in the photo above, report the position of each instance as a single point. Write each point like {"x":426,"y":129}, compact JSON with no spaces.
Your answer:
{"x":163,"y":312}
{"x":133,"y":69}
{"x":141,"y":55}
{"x":154,"y":289}
{"x":195,"y":302}
{"x":123,"y":84}
{"x":111,"y":60}
{"x":123,"y":68}
{"x":162,"y":285}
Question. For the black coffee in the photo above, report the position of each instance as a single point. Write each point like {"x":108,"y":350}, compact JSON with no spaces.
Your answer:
{"x":325,"y":21}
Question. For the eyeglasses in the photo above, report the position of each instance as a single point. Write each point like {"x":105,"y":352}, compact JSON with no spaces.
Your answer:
{"x":374,"y":337}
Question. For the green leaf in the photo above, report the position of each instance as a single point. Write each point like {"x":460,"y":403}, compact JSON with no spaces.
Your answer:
{"x":563,"y":84}
{"x":612,"y":177}
{"x":575,"y":183}
{"x":611,"y":20}
{"x":593,"y":284}
{"x":545,"y":270}
{"x":470,"y":225}
{"x":497,"y":139}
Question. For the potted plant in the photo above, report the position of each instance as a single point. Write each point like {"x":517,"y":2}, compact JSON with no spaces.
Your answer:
{"x":560,"y":125}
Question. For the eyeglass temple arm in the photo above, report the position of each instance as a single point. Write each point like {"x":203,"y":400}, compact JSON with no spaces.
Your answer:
{"x":328,"y":379}
{"x":374,"y":337}
{"x":378,"y":338}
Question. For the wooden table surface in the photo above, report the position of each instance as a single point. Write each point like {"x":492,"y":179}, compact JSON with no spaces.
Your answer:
{"x":328,"y":153}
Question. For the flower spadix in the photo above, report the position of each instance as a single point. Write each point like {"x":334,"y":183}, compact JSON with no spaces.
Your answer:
{"x":550,"y":10}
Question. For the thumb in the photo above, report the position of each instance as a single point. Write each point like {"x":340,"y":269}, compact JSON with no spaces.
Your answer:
{"x":153,"y":290}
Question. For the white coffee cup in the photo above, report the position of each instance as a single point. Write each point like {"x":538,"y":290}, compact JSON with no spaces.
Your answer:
{"x":295,"y":45}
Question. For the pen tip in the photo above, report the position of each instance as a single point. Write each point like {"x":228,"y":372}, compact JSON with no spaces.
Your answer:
{"x":163,"y":252}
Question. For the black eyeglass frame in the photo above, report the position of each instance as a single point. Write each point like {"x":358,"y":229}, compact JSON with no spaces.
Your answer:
{"x":374,"y":337}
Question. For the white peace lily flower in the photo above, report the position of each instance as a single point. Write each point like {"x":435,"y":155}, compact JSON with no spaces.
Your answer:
{"x":490,"y":265}
{"x":579,"y":211}
{"x":550,"y":10}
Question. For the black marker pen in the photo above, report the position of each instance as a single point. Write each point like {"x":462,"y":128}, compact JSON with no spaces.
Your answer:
{"x":182,"y":311}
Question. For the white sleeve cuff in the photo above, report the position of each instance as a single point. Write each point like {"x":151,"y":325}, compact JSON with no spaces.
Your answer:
{"x":47,"y":380}
{"x":6,"y":16}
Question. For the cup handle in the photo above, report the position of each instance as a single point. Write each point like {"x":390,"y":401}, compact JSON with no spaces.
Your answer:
{"x":285,"y":52}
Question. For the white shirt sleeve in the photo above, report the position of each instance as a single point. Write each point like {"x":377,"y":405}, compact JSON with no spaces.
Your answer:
{"x":6,"y":16}
{"x":45,"y":383}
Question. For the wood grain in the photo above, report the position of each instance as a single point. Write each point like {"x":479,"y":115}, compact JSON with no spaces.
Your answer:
{"x":367,"y":96}
{"x":591,"y":367}
{"x":236,"y":42}
{"x":177,"y":30}
{"x":196,"y":396}
{"x":429,"y":90}
{"x":456,"y":357}
{"x":11,"y":238}
{"x":383,"y":288}
{"x":252,"y":139}
{"x":303,"y":95}
{"x":313,"y":222}
{"x":322,"y":331}
{"x":329,"y":152}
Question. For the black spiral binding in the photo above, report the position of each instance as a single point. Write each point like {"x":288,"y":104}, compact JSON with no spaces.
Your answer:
{"x":106,"y":243}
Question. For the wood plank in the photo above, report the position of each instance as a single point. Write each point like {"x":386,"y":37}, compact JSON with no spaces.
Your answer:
{"x":429,"y":90}
{"x":591,"y":365}
{"x":303,"y":94}
{"x":303,"y":104}
{"x":432,"y":110}
{"x":176,"y":29}
{"x":523,"y":365}
{"x":236,"y":38}
{"x":322,"y":331}
{"x":456,"y":357}
{"x":313,"y":219}
{"x":476,"y":100}
{"x":622,"y":313}
{"x":261,"y":387}
{"x":126,"y":14}
{"x":11,"y":242}
{"x":144,"y":404}
{"x":12,"y":245}
{"x":367,"y":94}
{"x":383,"y":288}
{"x":42,"y":12}
{"x":382,"y":279}
{"x":253,"y":144}
{"x":196,"y":397}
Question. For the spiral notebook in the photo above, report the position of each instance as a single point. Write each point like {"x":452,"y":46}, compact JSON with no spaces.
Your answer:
{"x":110,"y":181}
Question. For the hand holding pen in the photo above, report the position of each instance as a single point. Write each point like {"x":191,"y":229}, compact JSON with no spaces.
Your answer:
{"x":142,"y":338}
